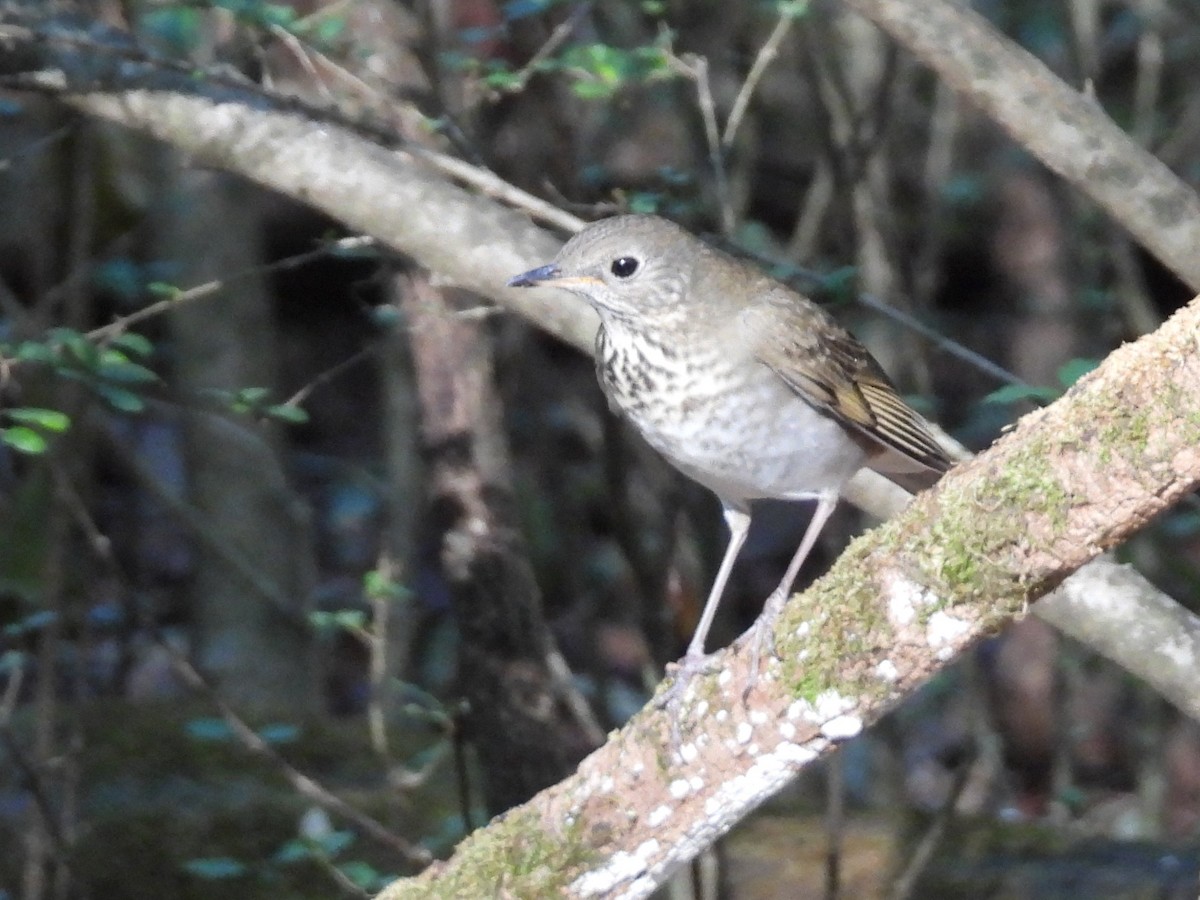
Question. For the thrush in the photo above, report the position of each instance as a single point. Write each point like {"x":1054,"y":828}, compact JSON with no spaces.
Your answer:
{"x":743,"y":384}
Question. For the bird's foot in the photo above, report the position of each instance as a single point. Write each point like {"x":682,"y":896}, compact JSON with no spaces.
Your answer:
{"x":762,"y":639}
{"x":681,"y":674}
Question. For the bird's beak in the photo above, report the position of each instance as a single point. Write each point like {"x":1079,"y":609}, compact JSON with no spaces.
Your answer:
{"x":552,"y":276}
{"x":535,"y":276}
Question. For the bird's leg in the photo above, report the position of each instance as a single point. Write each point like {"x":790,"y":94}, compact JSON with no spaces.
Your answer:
{"x":695,"y":660}
{"x":762,"y":637}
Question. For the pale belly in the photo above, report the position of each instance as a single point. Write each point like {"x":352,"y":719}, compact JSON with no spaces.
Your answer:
{"x":745,"y":445}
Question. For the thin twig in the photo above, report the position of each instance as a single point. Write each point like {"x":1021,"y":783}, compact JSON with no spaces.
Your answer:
{"x":388,"y":571}
{"x":331,"y":373}
{"x":12,"y":691}
{"x":765,"y":56}
{"x":556,"y":39}
{"x":302,"y":783}
{"x":35,"y":784}
{"x":835,"y":822}
{"x":492,"y":185}
{"x":1148,"y":86}
{"x":201,"y":528}
{"x":903,"y":887}
{"x":696,"y":68}
{"x":122,"y":324}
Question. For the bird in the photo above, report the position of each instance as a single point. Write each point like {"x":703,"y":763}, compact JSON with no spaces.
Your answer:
{"x":742,"y":383}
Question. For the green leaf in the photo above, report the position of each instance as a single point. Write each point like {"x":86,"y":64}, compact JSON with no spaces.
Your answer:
{"x":45,"y":419}
{"x":645,"y":202}
{"x":26,"y":440}
{"x":347,"y":619}
{"x":119,"y":398}
{"x":123,"y":371}
{"x":503,"y":81}
{"x":592,"y":90}
{"x":1016,"y":393}
{"x":279,"y":733}
{"x":31,"y":624}
{"x":1074,"y":369}
{"x":131,"y":341}
{"x":838,"y":285}
{"x":386,"y":316}
{"x":293,"y":851}
{"x":286,"y":412}
{"x":794,"y":8}
{"x":378,"y":586}
{"x":520,"y":9}
{"x":35,"y":351}
{"x":328,"y":30}
{"x":249,"y":398}
{"x":215,"y":867}
{"x":179,"y":28}
{"x":362,"y":874}
{"x":334,"y":842}
{"x":77,"y":345}
{"x":209,"y":729}
{"x":164,"y":290}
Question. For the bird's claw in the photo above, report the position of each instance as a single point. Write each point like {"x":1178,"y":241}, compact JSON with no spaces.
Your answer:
{"x":762,"y":640}
{"x":682,"y":674}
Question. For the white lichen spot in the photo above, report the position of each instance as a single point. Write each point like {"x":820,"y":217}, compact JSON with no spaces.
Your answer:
{"x":701,"y":709}
{"x":943,"y":629}
{"x":799,"y":709}
{"x":887,"y":671}
{"x":688,"y":753}
{"x":658,"y":815}
{"x":1178,"y":652}
{"x":795,"y":754}
{"x":757,"y":717}
{"x":607,"y":784}
{"x":744,"y":732}
{"x":787,"y":731}
{"x":696,"y":782}
{"x":622,"y":866}
{"x":641,"y":887}
{"x":722,"y":715}
{"x":904,"y":600}
{"x":678,"y":788}
{"x":841,"y":728}
{"x":829,"y":704}
{"x":724,"y":678}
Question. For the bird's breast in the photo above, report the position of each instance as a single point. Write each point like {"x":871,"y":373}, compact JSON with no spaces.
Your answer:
{"x":722,"y":418}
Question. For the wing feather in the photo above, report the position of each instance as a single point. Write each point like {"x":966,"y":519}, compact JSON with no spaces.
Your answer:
{"x":828,"y":367}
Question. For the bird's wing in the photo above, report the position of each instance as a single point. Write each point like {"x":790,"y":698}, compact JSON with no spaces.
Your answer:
{"x":828,"y":367}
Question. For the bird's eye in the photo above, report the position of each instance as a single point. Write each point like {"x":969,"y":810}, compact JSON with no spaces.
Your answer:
{"x":624,"y":266}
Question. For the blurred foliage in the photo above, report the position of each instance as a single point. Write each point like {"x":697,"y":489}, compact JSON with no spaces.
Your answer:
{"x":589,"y":105}
{"x":1068,"y":373}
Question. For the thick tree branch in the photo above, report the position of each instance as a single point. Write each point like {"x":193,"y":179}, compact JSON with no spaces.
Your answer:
{"x":963,"y":559}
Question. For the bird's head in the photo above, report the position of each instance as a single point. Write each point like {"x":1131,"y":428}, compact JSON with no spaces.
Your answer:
{"x":626,"y":266}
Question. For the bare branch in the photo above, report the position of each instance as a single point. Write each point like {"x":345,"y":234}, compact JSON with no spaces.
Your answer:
{"x":1062,"y":127}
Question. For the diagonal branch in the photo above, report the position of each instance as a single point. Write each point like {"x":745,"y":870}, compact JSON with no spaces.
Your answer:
{"x":962,"y":560}
{"x":1064,"y":128}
